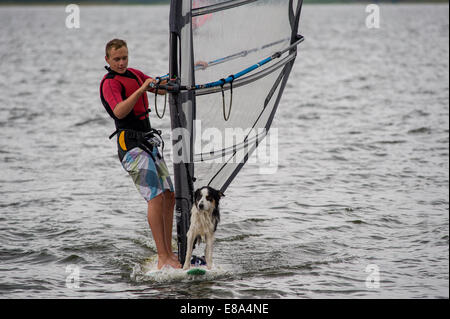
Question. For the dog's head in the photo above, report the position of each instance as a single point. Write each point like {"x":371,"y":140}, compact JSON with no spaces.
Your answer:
{"x":207,"y":198}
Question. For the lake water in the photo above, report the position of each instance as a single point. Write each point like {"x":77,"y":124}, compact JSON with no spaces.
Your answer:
{"x":359,"y":205}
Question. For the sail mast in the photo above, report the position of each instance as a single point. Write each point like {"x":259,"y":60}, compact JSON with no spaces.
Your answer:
{"x":182,"y":112}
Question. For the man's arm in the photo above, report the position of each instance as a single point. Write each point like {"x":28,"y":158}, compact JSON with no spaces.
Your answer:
{"x":145,"y":77}
{"x":201,"y":65}
{"x":123,"y":108}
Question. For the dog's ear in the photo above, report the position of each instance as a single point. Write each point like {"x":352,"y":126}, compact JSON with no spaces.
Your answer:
{"x":221,"y":194}
{"x":196,"y":194}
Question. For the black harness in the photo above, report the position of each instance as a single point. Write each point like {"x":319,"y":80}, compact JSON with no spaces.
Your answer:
{"x":128,"y":139}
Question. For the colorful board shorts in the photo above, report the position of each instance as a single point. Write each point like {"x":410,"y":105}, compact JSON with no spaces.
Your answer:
{"x":150,"y":175}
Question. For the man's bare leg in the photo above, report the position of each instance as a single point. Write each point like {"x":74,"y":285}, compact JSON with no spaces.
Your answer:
{"x":155,"y":216}
{"x":169,"y":204}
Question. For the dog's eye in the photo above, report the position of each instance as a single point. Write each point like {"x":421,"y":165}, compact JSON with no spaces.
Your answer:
{"x":209,"y":198}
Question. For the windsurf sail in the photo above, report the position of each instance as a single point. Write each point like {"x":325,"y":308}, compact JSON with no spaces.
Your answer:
{"x":250,"y":47}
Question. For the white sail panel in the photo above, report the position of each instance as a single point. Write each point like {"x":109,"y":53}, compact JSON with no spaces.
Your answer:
{"x":231,"y":40}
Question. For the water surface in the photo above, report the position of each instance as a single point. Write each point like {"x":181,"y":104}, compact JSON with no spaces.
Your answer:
{"x":362,"y":176}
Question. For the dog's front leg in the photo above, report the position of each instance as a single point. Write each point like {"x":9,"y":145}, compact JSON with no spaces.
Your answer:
{"x":189,"y":248}
{"x":209,"y":250}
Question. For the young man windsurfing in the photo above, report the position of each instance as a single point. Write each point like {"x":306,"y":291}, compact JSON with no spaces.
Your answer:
{"x":123,"y":92}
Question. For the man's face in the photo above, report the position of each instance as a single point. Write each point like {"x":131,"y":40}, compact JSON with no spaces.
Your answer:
{"x":118,"y":59}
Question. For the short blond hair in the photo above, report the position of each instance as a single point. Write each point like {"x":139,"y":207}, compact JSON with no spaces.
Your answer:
{"x":114,"y":44}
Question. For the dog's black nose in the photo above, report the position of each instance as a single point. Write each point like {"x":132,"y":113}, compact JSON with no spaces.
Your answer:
{"x":201,"y":206}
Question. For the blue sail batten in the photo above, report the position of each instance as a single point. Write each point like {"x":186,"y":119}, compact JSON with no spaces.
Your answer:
{"x":231,"y":78}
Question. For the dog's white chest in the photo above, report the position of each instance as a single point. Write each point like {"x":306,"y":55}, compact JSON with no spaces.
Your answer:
{"x":202,"y":223}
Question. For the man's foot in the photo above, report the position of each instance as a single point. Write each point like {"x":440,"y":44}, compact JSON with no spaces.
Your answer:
{"x":169,"y":262}
{"x":174,"y":257}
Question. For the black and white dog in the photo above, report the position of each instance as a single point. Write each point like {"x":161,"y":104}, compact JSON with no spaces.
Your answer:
{"x":205,"y":216}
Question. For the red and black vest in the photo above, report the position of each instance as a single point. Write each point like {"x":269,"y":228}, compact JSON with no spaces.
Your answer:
{"x":137,"y":119}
